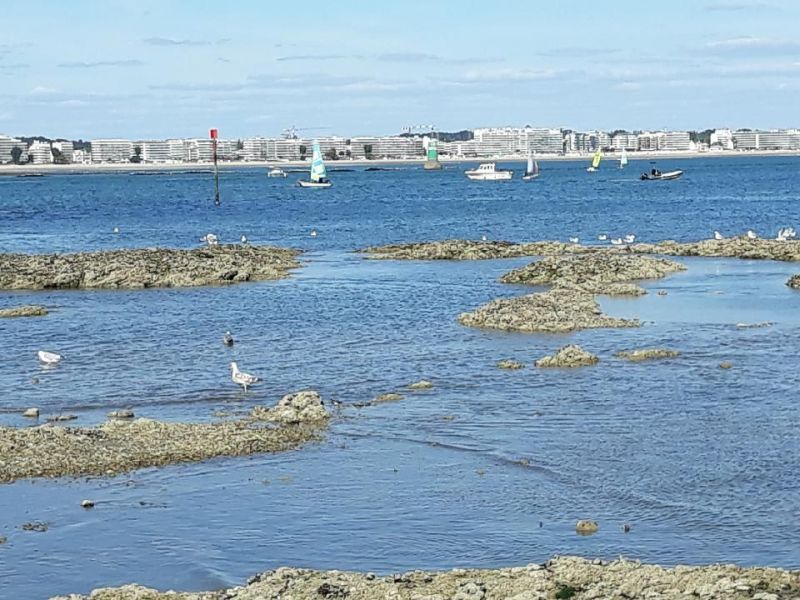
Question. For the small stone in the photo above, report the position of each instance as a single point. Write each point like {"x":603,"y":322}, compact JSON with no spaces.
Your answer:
{"x":568,"y":357}
{"x":39,"y":526}
{"x":87,"y":503}
{"x":32,"y":413}
{"x":422,"y":384}
{"x":765,"y":596}
{"x":125,"y":413}
{"x":586,"y":527}
{"x":511,"y":365}
{"x":661,"y":293}
{"x":57,"y":418}
{"x":643,"y":354}
{"x":725,"y":365}
{"x":3,"y":539}
{"x":626,"y":528}
{"x":22,"y":311}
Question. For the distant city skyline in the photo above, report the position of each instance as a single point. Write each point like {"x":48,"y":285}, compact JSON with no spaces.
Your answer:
{"x":160,"y":70}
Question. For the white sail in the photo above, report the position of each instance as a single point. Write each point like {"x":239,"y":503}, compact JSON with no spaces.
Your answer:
{"x":623,"y":160}
{"x":318,"y":172}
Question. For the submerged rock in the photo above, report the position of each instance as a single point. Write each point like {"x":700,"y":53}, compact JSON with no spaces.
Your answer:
{"x":643,"y":354}
{"x":603,"y":272}
{"x":586,"y":527}
{"x":146,"y":267}
{"x":87,"y":503}
{"x":59,"y":418}
{"x":388,"y":397}
{"x":124,"y":413}
{"x":558,"y":311}
{"x":31,"y":413}
{"x":586,"y":579}
{"x":469,"y":250}
{"x":794,"y":282}
{"x":726,"y":365}
{"x":121,"y":445}
{"x":511,"y":365}
{"x":569,"y":356}
{"x":23,"y":311}
{"x":422,"y":384}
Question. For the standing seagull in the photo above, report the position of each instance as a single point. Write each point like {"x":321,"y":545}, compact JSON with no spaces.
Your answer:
{"x":227,"y":339}
{"x":48,"y":358}
{"x":210,"y":239}
{"x":313,"y":233}
{"x":751,"y":234}
{"x":243,"y":239}
{"x":242,"y":379}
{"x":718,"y":236}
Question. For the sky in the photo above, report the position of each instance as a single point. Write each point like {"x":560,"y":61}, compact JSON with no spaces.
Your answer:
{"x":155,"y":69}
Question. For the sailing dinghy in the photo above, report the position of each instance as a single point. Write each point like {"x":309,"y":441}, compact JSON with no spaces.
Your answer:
{"x":598,"y":156}
{"x":319,"y":177}
{"x":531,"y":170}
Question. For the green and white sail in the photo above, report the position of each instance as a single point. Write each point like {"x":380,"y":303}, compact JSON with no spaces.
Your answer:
{"x":318,"y":172}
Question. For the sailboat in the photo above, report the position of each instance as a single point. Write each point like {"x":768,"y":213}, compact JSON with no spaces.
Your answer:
{"x":598,"y":156}
{"x":531,"y":170}
{"x":319,"y":177}
{"x":623,"y":160}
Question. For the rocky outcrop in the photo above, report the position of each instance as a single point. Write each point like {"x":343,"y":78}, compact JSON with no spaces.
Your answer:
{"x":598,"y":273}
{"x":558,"y":311}
{"x":794,"y":282}
{"x":644,"y":354}
{"x":561,"y":577}
{"x":470,"y":250}
{"x":22,"y":311}
{"x":122,"y":445}
{"x":735,"y":247}
{"x":568,"y":357}
{"x":422,"y":384}
{"x":146,"y":268}
{"x":387,"y":397}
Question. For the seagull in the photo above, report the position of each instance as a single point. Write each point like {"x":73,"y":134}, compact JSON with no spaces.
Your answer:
{"x":574,"y":240}
{"x":602,"y":237}
{"x":210,"y":239}
{"x":751,"y":234}
{"x":243,"y":239}
{"x":785,"y":234}
{"x":48,"y":358}
{"x":116,"y":230}
{"x":617,"y":241}
{"x":483,"y":238}
{"x":630,"y":238}
{"x":227,"y":339}
{"x":242,"y":379}
{"x":718,"y":236}
{"x":313,"y":233}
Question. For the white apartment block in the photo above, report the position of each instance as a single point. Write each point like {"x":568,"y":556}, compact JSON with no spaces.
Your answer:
{"x":112,"y":150}
{"x":153,"y":151}
{"x":6,"y":146}
{"x":676,"y":141}
{"x":40,"y":153}
{"x":625,"y":141}
{"x":722,"y":138}
{"x":66,"y":148}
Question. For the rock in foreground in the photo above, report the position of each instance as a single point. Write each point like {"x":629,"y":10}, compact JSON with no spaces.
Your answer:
{"x":558,"y":311}
{"x":22,"y":311}
{"x":118,"y":446}
{"x":794,"y":282}
{"x":643,"y":354}
{"x":568,"y":357}
{"x":146,"y":268}
{"x":617,"y":579}
{"x":599,"y":273}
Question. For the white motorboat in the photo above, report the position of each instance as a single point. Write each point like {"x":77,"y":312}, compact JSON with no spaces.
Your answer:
{"x":656,"y":175}
{"x":276,"y":172}
{"x":489,"y":172}
{"x":319,"y":177}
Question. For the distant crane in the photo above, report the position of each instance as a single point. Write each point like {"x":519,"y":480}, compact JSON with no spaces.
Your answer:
{"x":290,"y":133}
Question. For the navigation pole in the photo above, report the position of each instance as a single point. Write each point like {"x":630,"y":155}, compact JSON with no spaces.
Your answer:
{"x":214,"y":134}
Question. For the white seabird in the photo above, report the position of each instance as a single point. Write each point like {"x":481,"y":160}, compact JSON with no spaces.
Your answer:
{"x":574,"y":240}
{"x":718,"y":236}
{"x":243,"y":239}
{"x":602,"y":237}
{"x":630,"y":238}
{"x":48,"y":358}
{"x":785,"y":234}
{"x":210,"y":239}
{"x":751,"y":234}
{"x":483,"y":238}
{"x":313,"y":233}
{"x":617,"y":241}
{"x":242,"y":379}
{"x":116,"y":230}
{"x":227,"y":339}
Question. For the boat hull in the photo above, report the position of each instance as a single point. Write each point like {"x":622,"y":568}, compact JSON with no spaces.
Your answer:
{"x":530,"y":177}
{"x":314,"y":184}
{"x":496,"y":176}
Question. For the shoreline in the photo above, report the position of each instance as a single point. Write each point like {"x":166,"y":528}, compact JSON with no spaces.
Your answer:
{"x":11,"y":170}
{"x":561,"y":577}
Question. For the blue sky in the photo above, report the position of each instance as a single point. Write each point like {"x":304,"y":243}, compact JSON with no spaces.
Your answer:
{"x":157,"y":69}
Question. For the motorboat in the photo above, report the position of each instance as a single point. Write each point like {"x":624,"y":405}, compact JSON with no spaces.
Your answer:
{"x":276,"y":172}
{"x":656,"y":175}
{"x":319,"y":177}
{"x":489,"y":172}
